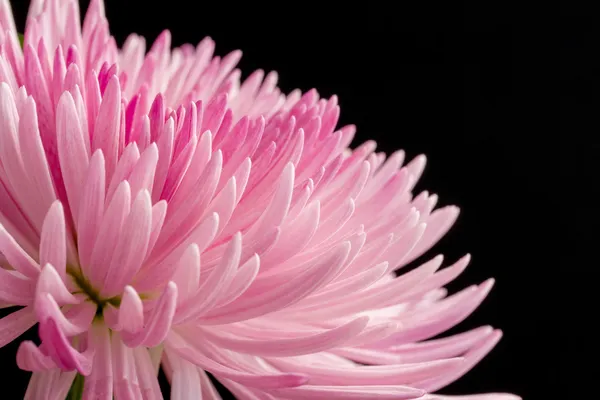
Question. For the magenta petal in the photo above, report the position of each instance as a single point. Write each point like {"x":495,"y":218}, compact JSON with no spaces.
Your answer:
{"x":30,"y":358}
{"x":61,"y":352}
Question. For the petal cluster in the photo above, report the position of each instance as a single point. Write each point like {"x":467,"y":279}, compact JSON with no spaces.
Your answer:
{"x":155,"y":210}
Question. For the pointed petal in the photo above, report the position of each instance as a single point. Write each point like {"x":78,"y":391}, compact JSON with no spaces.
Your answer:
{"x":16,"y":256}
{"x":285,"y":347}
{"x":53,"y":247}
{"x":72,"y":152}
{"x":91,"y":210}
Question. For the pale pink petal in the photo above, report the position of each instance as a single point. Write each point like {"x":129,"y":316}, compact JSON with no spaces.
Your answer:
{"x":131,"y":248}
{"x":16,"y":256}
{"x":15,"y":324}
{"x":283,"y":293}
{"x":351,"y":393}
{"x":46,"y":308}
{"x":438,"y":225}
{"x":12,"y":159}
{"x":159,"y":213}
{"x":187,"y":274}
{"x":146,"y":374}
{"x":53,"y":247}
{"x":439,"y":348}
{"x":142,"y":174}
{"x":472,"y":357}
{"x":31,"y":144}
{"x":155,"y":272}
{"x":50,"y":282}
{"x":265,"y":381}
{"x":53,"y":384}
{"x":15,"y":288}
{"x":73,"y":154}
{"x":108,"y":233}
{"x":130,"y":314}
{"x":31,"y":358}
{"x":125,"y":385}
{"x":106,"y":129}
{"x":185,"y":379}
{"x":275,"y":347}
{"x":158,"y":321}
{"x":127,"y":161}
{"x":218,"y":280}
{"x":401,"y":374}
{"x":99,"y":383}
{"x":91,"y":210}
{"x":242,"y":281}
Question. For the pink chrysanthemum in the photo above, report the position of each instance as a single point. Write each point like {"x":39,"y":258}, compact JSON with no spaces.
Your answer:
{"x":155,"y":210}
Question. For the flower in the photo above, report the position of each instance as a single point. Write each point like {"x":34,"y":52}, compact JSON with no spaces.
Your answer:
{"x":153,"y":210}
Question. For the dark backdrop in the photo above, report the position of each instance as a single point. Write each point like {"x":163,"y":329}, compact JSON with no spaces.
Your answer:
{"x":467,"y":88}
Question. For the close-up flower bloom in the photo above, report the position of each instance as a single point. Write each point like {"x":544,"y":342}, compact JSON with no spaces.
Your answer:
{"x":156,"y":211}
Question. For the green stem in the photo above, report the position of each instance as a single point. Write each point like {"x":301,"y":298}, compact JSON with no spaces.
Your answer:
{"x":76,"y":391}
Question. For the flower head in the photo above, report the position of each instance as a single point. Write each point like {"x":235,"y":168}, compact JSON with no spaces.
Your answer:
{"x":155,"y":209}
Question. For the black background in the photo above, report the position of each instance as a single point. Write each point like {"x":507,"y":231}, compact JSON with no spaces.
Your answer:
{"x":509,"y":135}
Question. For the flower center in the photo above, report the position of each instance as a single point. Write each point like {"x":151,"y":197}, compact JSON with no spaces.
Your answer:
{"x":86,"y":288}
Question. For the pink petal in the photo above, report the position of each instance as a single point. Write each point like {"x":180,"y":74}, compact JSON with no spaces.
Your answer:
{"x":242,"y":281}
{"x":146,"y":374}
{"x":91,"y":210}
{"x":158,"y":322}
{"x":127,"y":161}
{"x":451,"y":346}
{"x":108,"y":233}
{"x":73,"y":155}
{"x":472,"y":357}
{"x":263,"y":381}
{"x":187,"y":274}
{"x":129,"y":316}
{"x":49,"y":281}
{"x":126,"y":384}
{"x":438,"y":225}
{"x":401,"y":374}
{"x":15,"y":324}
{"x":185,"y":379}
{"x":142,"y":174}
{"x":99,"y":383}
{"x":15,"y":288}
{"x":46,"y":308}
{"x":16,"y":256}
{"x":165,"y":149}
{"x":285,"y":347}
{"x":60,"y":350}
{"x":53,"y":384}
{"x":218,"y":280}
{"x":106,"y":129}
{"x":154,"y":272}
{"x":131,"y":249}
{"x":281,"y":294}
{"x":31,"y":358}
{"x":351,"y":393}
{"x":53,"y":247}
{"x":31,"y":144}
